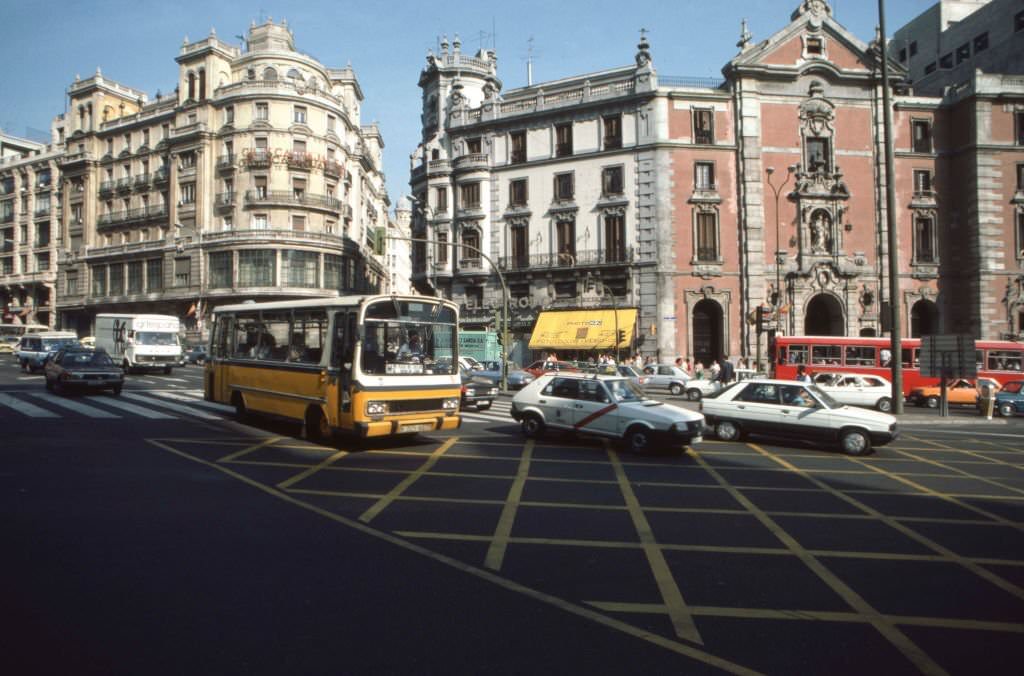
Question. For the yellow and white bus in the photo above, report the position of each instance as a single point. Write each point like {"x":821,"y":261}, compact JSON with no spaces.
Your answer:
{"x":370,"y":365}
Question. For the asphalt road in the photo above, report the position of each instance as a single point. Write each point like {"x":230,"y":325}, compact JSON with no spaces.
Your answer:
{"x":153,"y":534}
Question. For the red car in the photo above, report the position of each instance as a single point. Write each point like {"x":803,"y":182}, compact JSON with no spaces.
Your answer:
{"x":539,"y":368}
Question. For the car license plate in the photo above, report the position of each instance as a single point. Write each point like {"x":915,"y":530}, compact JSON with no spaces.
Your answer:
{"x":416,"y":427}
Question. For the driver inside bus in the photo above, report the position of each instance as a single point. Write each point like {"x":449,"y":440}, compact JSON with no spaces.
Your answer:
{"x":413,"y":347}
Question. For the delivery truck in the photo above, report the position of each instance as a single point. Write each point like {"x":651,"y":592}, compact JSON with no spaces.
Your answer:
{"x":140,"y":342}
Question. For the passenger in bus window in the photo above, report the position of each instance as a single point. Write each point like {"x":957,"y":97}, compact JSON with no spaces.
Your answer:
{"x":886,"y":356}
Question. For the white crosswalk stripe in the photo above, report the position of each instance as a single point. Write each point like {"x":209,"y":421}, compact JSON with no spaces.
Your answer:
{"x":189,"y":397}
{"x":72,"y":405}
{"x":137,"y":410}
{"x":163,"y":403}
{"x":25,"y":408}
{"x":500,"y":412}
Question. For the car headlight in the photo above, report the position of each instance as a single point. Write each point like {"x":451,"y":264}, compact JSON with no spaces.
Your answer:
{"x":376,"y":408}
{"x":450,"y":404}
{"x":494,"y":390}
{"x":470,"y":392}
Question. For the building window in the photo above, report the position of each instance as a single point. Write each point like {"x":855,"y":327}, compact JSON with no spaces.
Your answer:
{"x":611,"y":181}
{"x":564,"y":187}
{"x":229,"y":115}
{"x":517,"y":142}
{"x":260,"y":185}
{"x":298,"y":223}
{"x":903,"y":55}
{"x":704,"y":175}
{"x":7,"y":266}
{"x":924,"y":239}
{"x":116,"y":279}
{"x":963,"y":52}
{"x":518,"y":190}
{"x":1018,"y":22}
{"x":259,"y":221}
{"x":442,"y":248}
{"x":182,"y":271}
{"x":441,"y":198}
{"x":298,"y":189}
{"x":565,"y":241}
{"x":1020,"y":178}
{"x":520,"y":245}
{"x":704,"y":126}
{"x":188,"y":193}
{"x":70,"y":283}
{"x":612,"y":132}
{"x":1020,"y":234}
{"x":299,"y":114}
{"x":473,"y":146}
{"x":815,"y":46}
{"x":469,"y":195}
{"x":563,"y":140}
{"x":332,"y":123}
{"x":818,"y":155}
{"x":565,"y":290}
{"x":257,"y":267}
{"x":99,"y":280}
{"x":707,"y":236}
{"x":946,"y":61}
{"x":470,"y":246}
{"x":262,"y":112}
{"x":615,"y":238}
{"x":155,"y":275}
{"x":1019,"y":120}
{"x":922,"y":182}
{"x":922,"y":136}
{"x":333,"y":278}
{"x":930,"y":68}
{"x":981,"y":42}
{"x":301,"y":269}
{"x":220,"y":269}
{"x":134,"y":277}
{"x":913,"y":48}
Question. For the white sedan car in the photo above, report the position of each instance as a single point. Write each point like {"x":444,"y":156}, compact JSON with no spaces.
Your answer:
{"x":604,"y":406}
{"x":857,"y":389}
{"x":697,"y":388}
{"x":792,"y":409}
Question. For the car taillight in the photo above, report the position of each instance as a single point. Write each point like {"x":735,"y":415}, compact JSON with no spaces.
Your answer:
{"x":463,"y":389}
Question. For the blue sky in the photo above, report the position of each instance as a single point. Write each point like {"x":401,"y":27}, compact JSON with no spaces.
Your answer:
{"x":135,"y":42}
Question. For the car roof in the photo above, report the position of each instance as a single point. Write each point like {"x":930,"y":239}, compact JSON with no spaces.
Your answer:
{"x":585,"y":376}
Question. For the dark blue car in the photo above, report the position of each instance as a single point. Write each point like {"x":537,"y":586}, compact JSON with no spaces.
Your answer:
{"x":1010,"y":399}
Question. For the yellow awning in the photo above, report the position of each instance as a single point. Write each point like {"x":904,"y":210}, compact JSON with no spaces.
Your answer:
{"x":582,"y":329}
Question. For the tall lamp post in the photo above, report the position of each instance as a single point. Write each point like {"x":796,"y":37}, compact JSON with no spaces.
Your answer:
{"x":615,"y":308}
{"x":780,"y":254}
{"x":202,"y":281}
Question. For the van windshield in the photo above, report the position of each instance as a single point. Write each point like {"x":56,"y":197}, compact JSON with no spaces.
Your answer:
{"x":155,"y":338}
{"x":54,"y":344}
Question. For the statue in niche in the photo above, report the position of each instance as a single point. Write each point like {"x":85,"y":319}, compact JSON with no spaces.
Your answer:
{"x":820,"y":238}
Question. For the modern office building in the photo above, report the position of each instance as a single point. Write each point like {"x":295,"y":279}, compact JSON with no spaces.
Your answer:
{"x":697,"y":202}
{"x":29,"y":230}
{"x":254,"y":179}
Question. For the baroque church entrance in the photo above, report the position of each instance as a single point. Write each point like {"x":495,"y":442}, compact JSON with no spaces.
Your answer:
{"x":824,"y":317}
{"x":924,"y":319}
{"x":707,"y":332}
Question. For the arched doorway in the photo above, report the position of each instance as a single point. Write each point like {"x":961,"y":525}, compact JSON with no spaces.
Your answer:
{"x":924,"y":319}
{"x":824,"y":317}
{"x":707,"y":332}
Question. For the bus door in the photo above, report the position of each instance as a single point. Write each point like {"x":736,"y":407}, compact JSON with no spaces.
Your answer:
{"x":215,"y":368}
{"x":341,"y":363}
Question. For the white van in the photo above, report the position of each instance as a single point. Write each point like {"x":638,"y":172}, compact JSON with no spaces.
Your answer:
{"x":140,"y":342}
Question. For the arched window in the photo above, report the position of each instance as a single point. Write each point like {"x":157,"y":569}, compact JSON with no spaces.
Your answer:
{"x":269,"y":74}
{"x":191,"y":86}
{"x":824,"y":317}
{"x":294,"y":74}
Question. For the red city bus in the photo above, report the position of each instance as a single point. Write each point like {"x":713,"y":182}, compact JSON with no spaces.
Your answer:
{"x":1000,"y":360}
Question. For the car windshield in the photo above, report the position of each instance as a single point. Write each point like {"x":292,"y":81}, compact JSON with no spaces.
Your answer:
{"x":824,"y":397}
{"x":155,"y":338}
{"x":624,"y":390}
{"x":54,"y":344}
{"x":87,"y":359}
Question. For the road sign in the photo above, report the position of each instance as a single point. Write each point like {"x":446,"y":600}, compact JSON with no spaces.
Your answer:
{"x":949,"y":356}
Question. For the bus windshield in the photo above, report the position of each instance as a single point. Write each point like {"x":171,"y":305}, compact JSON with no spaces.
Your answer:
{"x":155,"y":338}
{"x":407,"y":348}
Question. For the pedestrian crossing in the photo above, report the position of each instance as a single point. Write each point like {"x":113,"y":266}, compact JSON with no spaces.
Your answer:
{"x":165,"y":404}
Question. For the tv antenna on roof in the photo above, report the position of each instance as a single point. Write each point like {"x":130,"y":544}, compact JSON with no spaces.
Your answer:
{"x":530,"y":56}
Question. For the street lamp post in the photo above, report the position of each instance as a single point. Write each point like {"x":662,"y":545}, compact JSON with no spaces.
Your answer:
{"x":504,"y":304}
{"x":615,"y":309}
{"x":780,"y":254}
{"x":199,"y":242}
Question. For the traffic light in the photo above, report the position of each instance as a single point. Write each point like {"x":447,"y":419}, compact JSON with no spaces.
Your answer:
{"x":621,"y":337}
{"x":762,"y":318}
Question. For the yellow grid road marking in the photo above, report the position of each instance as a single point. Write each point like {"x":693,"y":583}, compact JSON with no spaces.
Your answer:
{"x":945,"y":552}
{"x":682,"y":622}
{"x":816,"y":615}
{"x":962,"y":473}
{"x":250,"y":449}
{"x":573,"y":608}
{"x":383,"y":503}
{"x":978,"y":454}
{"x":284,"y":485}
{"x":900,"y":640}
{"x":496,"y":552}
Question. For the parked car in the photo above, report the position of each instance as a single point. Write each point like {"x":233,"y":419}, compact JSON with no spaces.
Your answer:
{"x":194,"y":355}
{"x":37,"y":347}
{"x":1010,"y":399}
{"x":519,"y":379}
{"x":604,"y":406}
{"x":635,"y":375}
{"x":959,"y":391}
{"x":668,"y":377}
{"x":8,"y":344}
{"x":83,"y":369}
{"x":795,"y":410}
{"x":698,"y":388}
{"x":477,"y":390}
{"x":539,"y":368}
{"x":492,"y":369}
{"x":857,"y":389}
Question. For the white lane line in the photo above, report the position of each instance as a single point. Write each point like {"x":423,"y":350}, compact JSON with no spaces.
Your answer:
{"x":479,"y":417}
{"x":143,"y":380}
{"x":25,"y":408}
{"x":137,"y":410}
{"x":30,"y":377}
{"x":187,"y":410}
{"x":175,"y":380}
{"x":176,"y":396}
{"x":71,"y":405}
